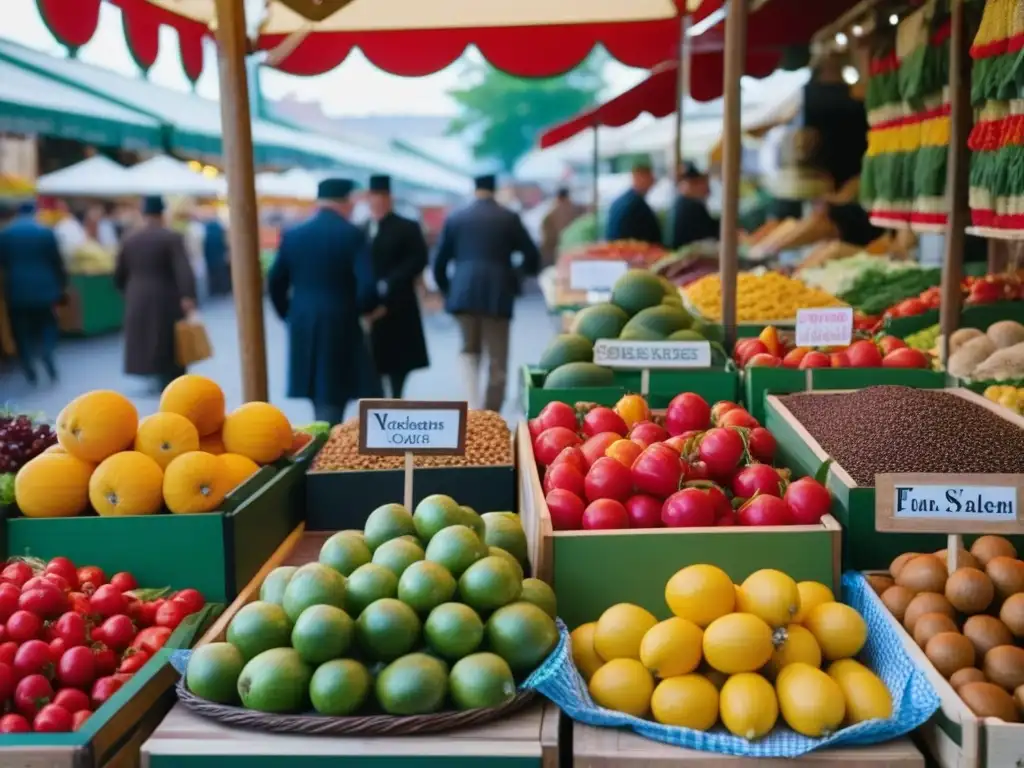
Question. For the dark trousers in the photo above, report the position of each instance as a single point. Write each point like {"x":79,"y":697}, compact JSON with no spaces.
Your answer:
{"x":396,"y":384}
{"x":35,"y":333}
{"x":332,"y":414}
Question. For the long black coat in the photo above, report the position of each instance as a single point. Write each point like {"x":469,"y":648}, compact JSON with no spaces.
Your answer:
{"x":480,"y":240}
{"x":154,"y":275}
{"x":399,"y":257}
{"x":320,"y":283}
{"x":691,"y":222}
{"x":631,"y":218}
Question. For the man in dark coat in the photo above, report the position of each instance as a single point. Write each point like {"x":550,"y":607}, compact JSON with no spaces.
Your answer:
{"x":34,"y":283}
{"x":159,"y":289}
{"x":320,"y":284}
{"x":691,"y":221}
{"x":215,"y":254}
{"x":478,"y":242}
{"x":399,"y":257}
{"x":630,"y":217}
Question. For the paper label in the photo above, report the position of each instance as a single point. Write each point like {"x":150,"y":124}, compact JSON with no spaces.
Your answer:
{"x":988,"y":504}
{"x":595,"y":274}
{"x":831,"y":327}
{"x":615,"y":353}
{"x":410,"y":426}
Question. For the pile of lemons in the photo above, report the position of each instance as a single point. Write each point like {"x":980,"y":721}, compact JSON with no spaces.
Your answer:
{"x":741,"y":655}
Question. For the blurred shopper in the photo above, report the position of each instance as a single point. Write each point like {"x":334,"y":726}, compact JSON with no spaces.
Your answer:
{"x":478,"y":243}
{"x":630,"y":217}
{"x":215,"y":252}
{"x":399,"y":257}
{"x":183,"y":221}
{"x":34,"y":283}
{"x":563,"y":213}
{"x":100,"y":228}
{"x":320,"y":284}
{"x":70,"y":233}
{"x":691,"y":221}
{"x":159,"y":289}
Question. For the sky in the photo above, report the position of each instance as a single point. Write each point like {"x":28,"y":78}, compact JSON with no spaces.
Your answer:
{"x":355,"y":88}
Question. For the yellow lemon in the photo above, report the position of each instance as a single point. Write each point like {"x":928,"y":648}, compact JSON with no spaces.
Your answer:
{"x":812,"y":594}
{"x":798,"y":645}
{"x":738,"y":642}
{"x":748,"y":706}
{"x":865,"y":694}
{"x":687,"y":701}
{"x":839,"y":630}
{"x":620,"y":630}
{"x":583,"y":654}
{"x":771,"y":595}
{"x":623,"y":685}
{"x":700,"y":593}
{"x":671,"y":647}
{"x":811,"y":702}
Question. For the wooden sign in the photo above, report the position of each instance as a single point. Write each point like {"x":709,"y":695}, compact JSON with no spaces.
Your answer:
{"x":395,"y":427}
{"x":826,"y":327}
{"x":949,"y":503}
{"x":595,"y":274}
{"x":639,"y":355}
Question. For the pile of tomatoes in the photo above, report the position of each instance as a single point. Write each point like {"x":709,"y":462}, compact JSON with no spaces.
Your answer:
{"x":987,"y":289}
{"x":70,"y":638}
{"x":702,"y":466}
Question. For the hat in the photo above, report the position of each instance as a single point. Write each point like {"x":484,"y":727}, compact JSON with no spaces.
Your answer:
{"x":689,"y":171}
{"x":153,"y":205}
{"x":486,"y":183}
{"x":334,"y":189}
{"x":380,"y":183}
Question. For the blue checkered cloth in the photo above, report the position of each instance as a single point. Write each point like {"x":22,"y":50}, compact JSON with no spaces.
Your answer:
{"x":914,"y":699}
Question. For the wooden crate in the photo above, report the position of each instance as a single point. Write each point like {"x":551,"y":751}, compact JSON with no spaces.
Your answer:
{"x":853,"y":505}
{"x":620,"y":748}
{"x":592,"y":570}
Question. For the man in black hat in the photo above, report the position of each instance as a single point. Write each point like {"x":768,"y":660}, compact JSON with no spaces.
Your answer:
{"x":320,"y":284}
{"x":691,"y":221}
{"x":630,"y":217}
{"x":478,"y":242}
{"x":399,"y":257}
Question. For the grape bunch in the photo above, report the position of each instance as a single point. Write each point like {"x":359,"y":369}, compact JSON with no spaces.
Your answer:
{"x":21,"y":441}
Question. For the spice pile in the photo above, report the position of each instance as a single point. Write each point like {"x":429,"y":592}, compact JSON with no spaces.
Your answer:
{"x":900,"y":429}
{"x":488,"y":443}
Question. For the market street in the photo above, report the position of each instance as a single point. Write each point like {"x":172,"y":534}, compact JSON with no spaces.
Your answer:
{"x":97,"y":363}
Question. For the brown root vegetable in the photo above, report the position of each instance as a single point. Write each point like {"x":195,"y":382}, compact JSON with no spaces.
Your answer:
{"x":924,"y":573}
{"x":899,"y":562}
{"x":965,"y":676}
{"x":985,"y":633}
{"x":1018,"y":699}
{"x":969,"y":590}
{"x":930,"y":625}
{"x":950,"y":652}
{"x":897,"y":599}
{"x":964,"y":560}
{"x":987,"y":547}
{"x":1007,"y":575}
{"x":989,"y":700}
{"x":1012,"y":614}
{"x":879,"y":583}
{"x":926,"y":602}
{"x":1004,"y":666}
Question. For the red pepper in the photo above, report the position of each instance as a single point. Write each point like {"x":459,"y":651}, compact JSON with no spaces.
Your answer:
{"x":151,"y":639}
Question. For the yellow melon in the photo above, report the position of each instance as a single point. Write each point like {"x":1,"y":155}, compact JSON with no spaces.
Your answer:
{"x":164,"y":436}
{"x":193,"y":483}
{"x":236,"y":469}
{"x":55,"y":448}
{"x":53,"y":485}
{"x":198,"y":399}
{"x":212,"y":444}
{"x":257,"y":430}
{"x":127,"y":483}
{"x":97,"y":424}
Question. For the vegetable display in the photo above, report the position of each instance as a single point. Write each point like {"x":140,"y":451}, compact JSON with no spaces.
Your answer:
{"x":773,"y":349}
{"x":997,"y":354}
{"x":876,"y":290}
{"x":841,"y":275}
{"x":760,"y":297}
{"x":703,"y":466}
{"x":1009,"y":396}
{"x":416,"y":613}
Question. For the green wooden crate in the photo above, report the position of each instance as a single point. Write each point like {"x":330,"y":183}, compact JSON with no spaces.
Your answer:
{"x":979,"y":316}
{"x":761,"y":381}
{"x":713,"y":384}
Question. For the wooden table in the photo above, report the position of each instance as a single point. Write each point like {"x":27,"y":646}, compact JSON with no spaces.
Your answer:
{"x":525,"y":740}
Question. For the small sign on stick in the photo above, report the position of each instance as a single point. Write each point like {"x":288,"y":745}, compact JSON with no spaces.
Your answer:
{"x":825,"y":327}
{"x":647,"y":355}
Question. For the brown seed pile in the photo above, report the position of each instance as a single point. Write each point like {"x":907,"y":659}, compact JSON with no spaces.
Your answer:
{"x":488,"y":443}
{"x":900,"y":429}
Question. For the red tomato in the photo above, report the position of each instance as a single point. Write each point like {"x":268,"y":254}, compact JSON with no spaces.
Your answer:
{"x":93,"y":575}
{"x":603,"y":419}
{"x":72,"y":699}
{"x":133,"y":662}
{"x":644,"y":511}
{"x":103,"y":689}
{"x":7,"y":652}
{"x":815,"y":360}
{"x":8,"y":680}
{"x":145,"y":613}
{"x":170,"y":614}
{"x":79,"y":603}
{"x":551,"y":443}
{"x":57,"y":648}
{"x":721,"y":450}
{"x":104,"y":659}
{"x":889,"y":343}
{"x":78,"y":719}
{"x":648,"y":433}
{"x":8,"y":600}
{"x":71,"y":628}
{"x":572,"y":456}
{"x":764,"y":360}
{"x":23,"y":626}
{"x":794,"y":357}
{"x":563,"y":475}
{"x":58,"y":581}
{"x":738,"y":417}
{"x":808,"y":501}
{"x":33,"y":658}
{"x":77,"y":667}
{"x":32,"y":694}
{"x":764,"y":510}
{"x":905,"y":358}
{"x":608,"y":479}
{"x":46,"y":602}
{"x":840,"y":360}
{"x":757,"y":478}
{"x":719,"y":409}
{"x":605,"y":514}
{"x":108,"y":601}
{"x":14,"y":724}
{"x":558,"y":414}
{"x":596,"y":446}
{"x":864,"y":354}
{"x":761,"y":444}
{"x":658,"y":471}
{"x":124,"y":581}
{"x":566,"y":510}
{"x":65,"y":569}
{"x":688,"y":508}
{"x":685,"y":412}
{"x":17,"y":573}
{"x":116,"y":632}
{"x":52,"y":719}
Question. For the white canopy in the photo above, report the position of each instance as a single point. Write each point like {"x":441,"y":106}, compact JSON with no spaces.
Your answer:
{"x":98,"y":176}
{"x":163,"y":175}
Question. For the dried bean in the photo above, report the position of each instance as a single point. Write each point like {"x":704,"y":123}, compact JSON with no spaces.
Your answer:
{"x":900,"y":429}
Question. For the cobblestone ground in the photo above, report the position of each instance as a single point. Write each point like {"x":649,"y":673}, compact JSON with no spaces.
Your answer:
{"x":96,"y":363}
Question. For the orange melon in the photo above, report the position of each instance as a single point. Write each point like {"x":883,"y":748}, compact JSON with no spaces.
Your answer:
{"x":97,"y":424}
{"x":236,"y":469}
{"x":165,"y":436}
{"x":198,"y":399}
{"x":193,"y":483}
{"x":212,"y":444}
{"x":127,"y":483}
{"x":53,"y":485}
{"x":257,"y":430}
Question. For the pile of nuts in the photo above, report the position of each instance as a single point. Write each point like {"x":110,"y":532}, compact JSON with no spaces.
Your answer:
{"x":488,"y":443}
{"x":901,"y":429}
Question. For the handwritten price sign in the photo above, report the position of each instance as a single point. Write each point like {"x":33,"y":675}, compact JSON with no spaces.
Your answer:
{"x":832,"y":327}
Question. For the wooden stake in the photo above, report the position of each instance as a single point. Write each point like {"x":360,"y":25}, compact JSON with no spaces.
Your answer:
{"x":243,"y":231}
{"x":645,"y":382}
{"x":407,"y":493}
{"x":597,"y":175}
{"x":735,"y":57}
{"x":957,"y":180}
{"x":682,"y":91}
{"x":954,"y":542}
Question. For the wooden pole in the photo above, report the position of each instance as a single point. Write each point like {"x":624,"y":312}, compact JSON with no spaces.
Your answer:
{"x":682,"y":91}
{"x":957,"y":179}
{"x":735,"y":59}
{"x":597,"y":174}
{"x":243,"y":228}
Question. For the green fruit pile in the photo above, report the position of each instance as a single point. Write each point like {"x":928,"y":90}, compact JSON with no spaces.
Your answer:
{"x":411,"y":613}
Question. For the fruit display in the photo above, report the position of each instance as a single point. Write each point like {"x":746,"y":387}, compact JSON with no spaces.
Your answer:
{"x":775,"y":349}
{"x":636,"y":253}
{"x":753,"y":656}
{"x":900,"y":429}
{"x":760,"y":297}
{"x":21,"y":440}
{"x":907,"y":291}
{"x":185,"y":458}
{"x":72,"y":637}
{"x":701,"y":466}
{"x":1009,"y":396}
{"x":488,"y":443}
{"x":969,"y":623}
{"x":996,"y":354}
{"x":927,"y":339}
{"x":417,"y":613}
{"x":839,"y":276}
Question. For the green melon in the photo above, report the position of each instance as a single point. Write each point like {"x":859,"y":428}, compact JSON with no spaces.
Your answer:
{"x":637,"y":290}
{"x":687,"y":334}
{"x":567,"y":348}
{"x":639,"y":333}
{"x":576,"y":375}
{"x":662,"y":320}
{"x":599,"y":321}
